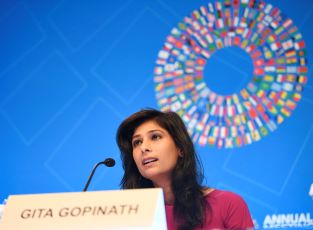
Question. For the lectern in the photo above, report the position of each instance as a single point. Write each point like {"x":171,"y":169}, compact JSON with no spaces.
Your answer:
{"x":116,"y":209}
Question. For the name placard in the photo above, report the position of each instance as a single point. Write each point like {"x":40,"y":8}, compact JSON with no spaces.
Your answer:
{"x":118,"y":209}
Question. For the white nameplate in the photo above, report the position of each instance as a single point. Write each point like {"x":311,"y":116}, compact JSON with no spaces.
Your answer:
{"x":118,"y":209}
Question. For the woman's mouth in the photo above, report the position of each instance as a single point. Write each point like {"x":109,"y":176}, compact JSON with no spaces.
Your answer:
{"x":149,"y":160}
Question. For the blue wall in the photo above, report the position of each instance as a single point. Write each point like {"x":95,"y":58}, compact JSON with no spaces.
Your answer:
{"x":71,"y":71}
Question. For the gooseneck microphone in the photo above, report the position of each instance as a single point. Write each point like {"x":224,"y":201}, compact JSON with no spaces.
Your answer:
{"x":109,"y":162}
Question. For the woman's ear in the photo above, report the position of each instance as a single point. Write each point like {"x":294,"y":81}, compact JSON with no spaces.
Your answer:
{"x":180,"y":152}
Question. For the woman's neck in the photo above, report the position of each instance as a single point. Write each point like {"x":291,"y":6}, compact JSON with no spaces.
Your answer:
{"x":167,"y":191}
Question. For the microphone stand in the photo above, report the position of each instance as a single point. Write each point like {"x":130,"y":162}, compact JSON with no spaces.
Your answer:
{"x":91,"y":175}
{"x":109,"y":162}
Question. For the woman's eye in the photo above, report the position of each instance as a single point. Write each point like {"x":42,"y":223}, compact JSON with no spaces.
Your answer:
{"x":156,"y":137}
{"x":136,"y":143}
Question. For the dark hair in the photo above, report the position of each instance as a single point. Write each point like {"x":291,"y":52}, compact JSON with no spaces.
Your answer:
{"x":189,"y":203}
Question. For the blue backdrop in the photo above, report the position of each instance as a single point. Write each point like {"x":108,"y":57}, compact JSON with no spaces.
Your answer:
{"x":71,"y":71}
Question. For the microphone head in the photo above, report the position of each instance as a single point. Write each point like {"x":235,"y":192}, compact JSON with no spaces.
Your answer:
{"x":110,"y":162}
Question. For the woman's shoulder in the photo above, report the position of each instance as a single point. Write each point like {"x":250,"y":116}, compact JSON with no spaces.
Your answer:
{"x":213,"y":192}
{"x":231,"y":208}
{"x":224,"y":196}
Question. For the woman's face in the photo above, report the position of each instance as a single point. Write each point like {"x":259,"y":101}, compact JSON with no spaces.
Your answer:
{"x":154,"y":152}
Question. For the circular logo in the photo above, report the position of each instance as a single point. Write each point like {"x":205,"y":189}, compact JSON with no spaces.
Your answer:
{"x":277,"y":50}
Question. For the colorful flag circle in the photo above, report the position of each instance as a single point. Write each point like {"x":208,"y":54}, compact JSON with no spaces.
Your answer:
{"x":277,"y":50}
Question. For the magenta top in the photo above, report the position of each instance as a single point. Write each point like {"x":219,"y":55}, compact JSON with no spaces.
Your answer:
{"x":229,"y":211}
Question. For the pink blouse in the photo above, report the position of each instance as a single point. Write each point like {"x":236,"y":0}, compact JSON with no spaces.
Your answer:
{"x":228,"y":211}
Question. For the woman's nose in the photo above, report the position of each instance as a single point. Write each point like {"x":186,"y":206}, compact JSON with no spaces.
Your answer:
{"x":145,"y":147}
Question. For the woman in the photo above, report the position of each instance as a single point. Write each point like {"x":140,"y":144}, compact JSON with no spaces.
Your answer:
{"x":157,"y":151}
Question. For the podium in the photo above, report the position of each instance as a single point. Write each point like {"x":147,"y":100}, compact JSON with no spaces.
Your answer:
{"x":116,"y":209}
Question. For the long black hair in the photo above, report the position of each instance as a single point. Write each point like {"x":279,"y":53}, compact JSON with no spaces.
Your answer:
{"x":187,"y":176}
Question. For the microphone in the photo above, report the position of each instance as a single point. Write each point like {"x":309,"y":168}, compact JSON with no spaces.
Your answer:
{"x":109,"y":162}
